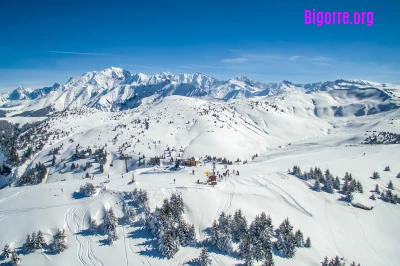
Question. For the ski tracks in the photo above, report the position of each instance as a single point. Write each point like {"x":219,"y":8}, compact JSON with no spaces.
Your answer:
{"x":71,"y":212}
{"x":286,"y":197}
{"x":85,"y":252}
{"x":225,"y":206}
{"x":366,"y":240}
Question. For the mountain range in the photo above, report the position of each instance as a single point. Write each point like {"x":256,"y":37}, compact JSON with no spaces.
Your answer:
{"x":116,"y":89}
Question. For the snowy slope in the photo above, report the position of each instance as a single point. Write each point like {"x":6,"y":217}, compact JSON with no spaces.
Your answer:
{"x":321,"y":124}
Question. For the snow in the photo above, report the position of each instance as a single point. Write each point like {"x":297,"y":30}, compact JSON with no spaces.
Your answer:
{"x":302,"y":129}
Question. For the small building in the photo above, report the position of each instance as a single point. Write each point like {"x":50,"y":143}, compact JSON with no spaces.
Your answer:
{"x":194,"y":161}
{"x":212,"y":178}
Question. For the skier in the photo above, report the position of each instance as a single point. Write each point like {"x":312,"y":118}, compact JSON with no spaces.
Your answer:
{"x":108,"y":176}
{"x":237,"y":172}
{"x":193,"y":172}
{"x":122,"y":175}
{"x":174,"y":180}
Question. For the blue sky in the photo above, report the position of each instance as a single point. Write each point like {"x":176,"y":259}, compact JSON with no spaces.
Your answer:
{"x":42,"y":42}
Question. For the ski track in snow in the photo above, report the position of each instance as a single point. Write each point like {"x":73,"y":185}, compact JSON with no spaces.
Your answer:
{"x":330,"y":228}
{"x":366,"y":240}
{"x":90,"y":252}
{"x":79,"y":253}
{"x":287,"y":198}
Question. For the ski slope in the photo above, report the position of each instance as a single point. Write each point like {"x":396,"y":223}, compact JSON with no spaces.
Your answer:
{"x":291,"y":134}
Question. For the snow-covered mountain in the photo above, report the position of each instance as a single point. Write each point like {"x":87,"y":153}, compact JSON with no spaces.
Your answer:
{"x":113,"y":126}
{"x":117,"y":89}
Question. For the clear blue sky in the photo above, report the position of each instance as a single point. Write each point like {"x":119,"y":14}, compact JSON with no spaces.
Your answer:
{"x":42,"y":42}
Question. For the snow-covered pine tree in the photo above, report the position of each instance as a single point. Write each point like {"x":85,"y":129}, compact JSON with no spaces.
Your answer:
{"x":239,"y":225}
{"x":325,"y":262}
{"x":307,"y":244}
{"x":214,"y":234}
{"x":129,"y":215}
{"x":33,"y":241}
{"x":224,"y":242}
{"x":204,"y":258}
{"x":190,"y":236}
{"x":372,"y":197}
{"x":93,"y":227}
{"x":15,"y":259}
{"x":168,"y":246}
{"x":335,"y":262}
{"x":336,"y":183}
{"x":299,"y":238}
{"x":87,"y":190}
{"x":376,"y":175}
{"x":390,"y":185}
{"x":6,"y":251}
{"x":245,"y":249}
{"x":40,"y":242}
{"x":377,"y":189}
{"x":259,"y":253}
{"x":269,"y":260}
{"x":286,"y":241}
{"x":110,"y":225}
{"x":328,"y":187}
{"x":349,"y":196}
{"x":225,"y":221}
{"x":317,"y":186}
{"x":60,"y":241}
{"x":359,"y":187}
{"x":177,"y":205}
{"x":29,"y":244}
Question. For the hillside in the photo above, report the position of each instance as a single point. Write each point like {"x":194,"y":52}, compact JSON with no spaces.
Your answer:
{"x":94,"y":127}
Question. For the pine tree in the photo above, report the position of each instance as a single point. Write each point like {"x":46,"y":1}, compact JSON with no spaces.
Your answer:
{"x":53,"y":162}
{"x":29,"y":244}
{"x":377,"y":189}
{"x":33,"y":241}
{"x":325,"y":262}
{"x":204,"y":258}
{"x":329,"y":185}
{"x":390,"y":185}
{"x":168,"y":246}
{"x":336,"y":183}
{"x":6,"y":251}
{"x":375,"y":175}
{"x":224,"y":242}
{"x":15,"y":259}
{"x":130,"y":215}
{"x":299,"y":238}
{"x":307,"y":244}
{"x":286,"y":239}
{"x":40,"y":242}
{"x":317,"y":186}
{"x":269,"y":260}
{"x":245,"y":249}
{"x":335,"y":262}
{"x":349,"y":196}
{"x":359,"y":187}
{"x":239,"y":226}
{"x":110,"y":225}
{"x":214,"y":234}
{"x":372,"y":197}
{"x":93,"y":227}
{"x":59,"y":242}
